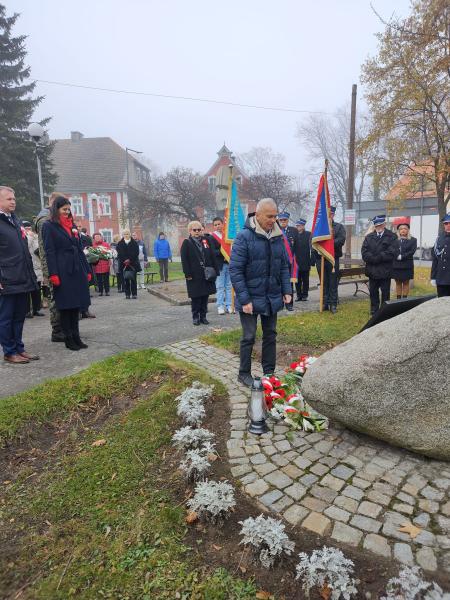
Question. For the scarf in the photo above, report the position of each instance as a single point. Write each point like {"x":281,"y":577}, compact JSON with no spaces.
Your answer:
{"x":67,"y":224}
{"x":292,"y":259}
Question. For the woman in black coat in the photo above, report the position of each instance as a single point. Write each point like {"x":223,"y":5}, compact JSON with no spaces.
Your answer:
{"x":403,"y":266}
{"x":68,"y":269}
{"x":196,"y":255}
{"x":129,"y":265}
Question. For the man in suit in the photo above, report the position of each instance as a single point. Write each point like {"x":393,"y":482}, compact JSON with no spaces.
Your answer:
{"x":290,"y":237}
{"x":379,"y":251}
{"x":17,"y":280}
{"x":303,"y":260}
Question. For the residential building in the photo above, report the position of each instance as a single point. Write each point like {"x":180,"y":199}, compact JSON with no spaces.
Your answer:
{"x":98,"y":175}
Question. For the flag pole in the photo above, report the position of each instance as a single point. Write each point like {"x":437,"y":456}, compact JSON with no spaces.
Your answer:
{"x":227,"y":212}
{"x":322,"y":259}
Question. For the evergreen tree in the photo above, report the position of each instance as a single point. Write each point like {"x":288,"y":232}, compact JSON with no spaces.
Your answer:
{"x":18,"y":167}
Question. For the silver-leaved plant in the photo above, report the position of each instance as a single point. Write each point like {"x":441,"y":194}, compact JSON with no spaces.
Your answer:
{"x":190,"y":403}
{"x":196,"y":462}
{"x":187,"y":438}
{"x":409,"y":585}
{"x":266,"y":536}
{"x":213,"y":500}
{"x":324,"y":568}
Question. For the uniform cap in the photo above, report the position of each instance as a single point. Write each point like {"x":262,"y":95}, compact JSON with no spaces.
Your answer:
{"x":379,"y":219}
{"x":284,"y":215}
{"x":301,"y":222}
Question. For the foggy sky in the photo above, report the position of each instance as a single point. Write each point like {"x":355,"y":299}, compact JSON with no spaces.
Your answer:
{"x":297,"y":54}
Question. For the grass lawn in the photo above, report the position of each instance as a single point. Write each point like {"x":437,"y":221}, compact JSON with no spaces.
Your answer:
{"x":315,"y":332}
{"x":102,"y":522}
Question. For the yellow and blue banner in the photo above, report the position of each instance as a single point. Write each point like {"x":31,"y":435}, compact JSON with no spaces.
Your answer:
{"x":234,"y":214}
{"x":322,"y":232}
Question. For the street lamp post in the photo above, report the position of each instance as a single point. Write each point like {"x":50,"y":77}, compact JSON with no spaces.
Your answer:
{"x":36,"y":132}
{"x":128,"y":174}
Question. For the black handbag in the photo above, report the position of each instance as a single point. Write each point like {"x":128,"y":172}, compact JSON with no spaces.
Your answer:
{"x":210,"y":273}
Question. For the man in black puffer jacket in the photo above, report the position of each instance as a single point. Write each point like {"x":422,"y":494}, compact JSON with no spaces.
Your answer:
{"x":259,"y":271}
{"x":378,"y":251}
{"x":17,"y":280}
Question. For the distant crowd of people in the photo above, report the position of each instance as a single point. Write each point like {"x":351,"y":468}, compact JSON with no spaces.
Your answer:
{"x":270,"y":262}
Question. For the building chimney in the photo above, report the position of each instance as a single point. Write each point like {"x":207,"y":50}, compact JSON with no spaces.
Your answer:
{"x":76,"y":136}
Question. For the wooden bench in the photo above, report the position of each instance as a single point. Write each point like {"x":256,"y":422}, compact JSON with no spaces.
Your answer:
{"x":148,"y":278}
{"x":353,"y":273}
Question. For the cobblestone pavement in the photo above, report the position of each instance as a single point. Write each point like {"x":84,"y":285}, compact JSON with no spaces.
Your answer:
{"x":336,"y":483}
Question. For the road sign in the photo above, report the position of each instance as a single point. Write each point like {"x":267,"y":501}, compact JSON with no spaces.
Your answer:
{"x":350,"y":217}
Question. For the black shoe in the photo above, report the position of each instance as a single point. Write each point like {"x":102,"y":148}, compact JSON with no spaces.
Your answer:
{"x":79,"y":342}
{"x":305,"y":299}
{"x":333,"y":309}
{"x":246,"y":379}
{"x":326,"y":307}
{"x":289,"y":307}
{"x":121,"y":291}
{"x":38,"y":314}
{"x":134,"y":297}
{"x":101,"y":294}
{"x":107,"y":294}
{"x":204,"y":320}
{"x":87,"y":315}
{"x":127,"y":298}
{"x":29,"y":315}
{"x":71,"y":344}
{"x":58,"y":337}
{"x":196,"y":321}
{"x":298,"y":299}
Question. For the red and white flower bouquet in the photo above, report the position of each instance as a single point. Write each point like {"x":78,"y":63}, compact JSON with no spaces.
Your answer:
{"x":285,"y":402}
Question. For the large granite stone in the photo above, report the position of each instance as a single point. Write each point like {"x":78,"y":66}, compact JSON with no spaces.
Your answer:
{"x":392,"y":381}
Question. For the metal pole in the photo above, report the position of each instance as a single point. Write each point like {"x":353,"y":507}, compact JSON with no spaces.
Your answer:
{"x":421,"y":217}
{"x":41,"y":190}
{"x":351,"y":173}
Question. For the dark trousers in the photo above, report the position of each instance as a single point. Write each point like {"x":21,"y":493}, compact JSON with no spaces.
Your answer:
{"x":302,"y":285}
{"x":199,"y":307}
{"x":120,"y":285}
{"x":103,"y":282}
{"x":375,"y":286}
{"x":269,"y":342}
{"x":330,"y":282}
{"x":130,"y":287}
{"x":69,"y":321}
{"x":13,"y":308}
{"x":164,"y":269}
{"x":443,"y":290}
{"x":35,"y":301}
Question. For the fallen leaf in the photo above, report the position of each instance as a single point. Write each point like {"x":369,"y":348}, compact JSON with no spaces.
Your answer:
{"x":217,"y":547}
{"x":113,"y":476}
{"x":97,"y":443}
{"x":212,"y":457}
{"x":191,"y":517}
{"x":217,"y":329}
{"x":242,"y":569}
{"x":263,"y":595}
{"x":7,"y":482}
{"x":410,"y":529}
{"x":325,"y":592}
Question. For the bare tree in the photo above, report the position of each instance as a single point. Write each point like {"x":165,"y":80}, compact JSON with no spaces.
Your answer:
{"x":178,"y":194}
{"x":328,"y":137}
{"x":265,"y":178}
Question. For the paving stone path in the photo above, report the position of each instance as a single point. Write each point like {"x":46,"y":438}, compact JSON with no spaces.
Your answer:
{"x":336,"y":483}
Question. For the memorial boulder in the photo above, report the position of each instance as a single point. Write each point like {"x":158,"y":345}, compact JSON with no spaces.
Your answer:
{"x":392,"y":381}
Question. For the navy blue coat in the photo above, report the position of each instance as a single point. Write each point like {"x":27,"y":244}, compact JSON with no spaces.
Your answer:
{"x":66,"y":259}
{"x":303,"y":255}
{"x":259,"y":270}
{"x":16,"y":267}
{"x":379,"y":254}
{"x":440,"y":269}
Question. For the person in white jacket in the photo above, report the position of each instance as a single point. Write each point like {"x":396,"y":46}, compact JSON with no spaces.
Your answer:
{"x":35,"y":300}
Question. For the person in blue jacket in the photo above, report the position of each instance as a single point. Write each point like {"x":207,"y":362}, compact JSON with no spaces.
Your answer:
{"x":162,"y":253}
{"x":260,"y":274}
{"x":440,"y":269}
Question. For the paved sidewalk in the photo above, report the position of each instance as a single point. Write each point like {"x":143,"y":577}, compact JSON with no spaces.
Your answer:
{"x":336,"y":483}
{"x":120,"y":325}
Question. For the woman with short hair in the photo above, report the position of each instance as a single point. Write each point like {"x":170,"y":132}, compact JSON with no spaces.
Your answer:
{"x":68,"y":269}
{"x":403,"y":266}
{"x":200,"y":270}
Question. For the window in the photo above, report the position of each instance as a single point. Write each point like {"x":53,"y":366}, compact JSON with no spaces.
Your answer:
{"x":77,"y":206}
{"x":212,"y":183}
{"x":239,"y":179}
{"x":104,"y":205}
{"x":107,"y":235}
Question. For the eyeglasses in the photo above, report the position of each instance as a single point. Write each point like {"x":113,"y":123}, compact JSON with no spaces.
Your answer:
{"x":196,"y":230}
